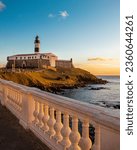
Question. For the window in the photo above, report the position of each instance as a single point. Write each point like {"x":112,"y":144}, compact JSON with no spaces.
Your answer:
{"x":20,"y":57}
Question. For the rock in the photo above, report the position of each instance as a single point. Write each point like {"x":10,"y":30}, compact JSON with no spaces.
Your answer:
{"x":116,"y":106}
{"x":98,"y":88}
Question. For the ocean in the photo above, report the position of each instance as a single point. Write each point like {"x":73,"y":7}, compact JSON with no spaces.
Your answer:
{"x":107,"y":95}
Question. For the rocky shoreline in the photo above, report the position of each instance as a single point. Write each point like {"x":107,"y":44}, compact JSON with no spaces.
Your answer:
{"x":57,"y":82}
{"x":56,"y":88}
{"x":53,"y":81}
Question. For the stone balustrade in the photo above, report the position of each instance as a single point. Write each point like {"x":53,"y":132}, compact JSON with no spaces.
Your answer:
{"x":61,"y":123}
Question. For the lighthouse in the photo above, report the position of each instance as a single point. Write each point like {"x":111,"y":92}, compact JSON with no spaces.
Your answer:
{"x":37,"y":45}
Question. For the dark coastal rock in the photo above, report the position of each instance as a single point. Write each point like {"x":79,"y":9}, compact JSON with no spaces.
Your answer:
{"x":90,"y":79}
{"x":116,"y":106}
{"x":107,"y":104}
{"x":98,"y":88}
{"x":55,"y":90}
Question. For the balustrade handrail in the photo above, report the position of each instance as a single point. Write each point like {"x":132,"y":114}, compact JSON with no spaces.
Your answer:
{"x":97,"y":113}
{"x":108,"y":120}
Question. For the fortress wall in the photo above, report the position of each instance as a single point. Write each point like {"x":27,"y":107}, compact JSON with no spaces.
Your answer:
{"x":32,"y":63}
{"x":64,"y":64}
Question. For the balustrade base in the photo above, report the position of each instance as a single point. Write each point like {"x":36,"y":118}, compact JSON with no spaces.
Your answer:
{"x":24,"y":124}
{"x":44,"y":137}
{"x":13,"y":111}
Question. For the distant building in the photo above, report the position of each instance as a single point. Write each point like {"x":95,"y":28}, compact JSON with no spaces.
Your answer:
{"x":37,"y":59}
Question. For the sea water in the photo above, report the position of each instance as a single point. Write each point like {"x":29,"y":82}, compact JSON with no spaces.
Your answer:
{"x":103,"y":95}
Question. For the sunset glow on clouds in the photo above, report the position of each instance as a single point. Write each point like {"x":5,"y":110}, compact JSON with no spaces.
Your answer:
{"x":101,"y":66}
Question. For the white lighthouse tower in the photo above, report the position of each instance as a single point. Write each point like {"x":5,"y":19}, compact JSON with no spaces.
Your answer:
{"x":37,"y":45}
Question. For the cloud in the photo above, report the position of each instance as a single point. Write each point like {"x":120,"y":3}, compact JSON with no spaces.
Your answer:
{"x":99,"y":59}
{"x":100,"y":69}
{"x":101,"y":65}
{"x":60,"y":15}
{"x":63,"y":14}
{"x":2,"y":5}
{"x":51,"y":15}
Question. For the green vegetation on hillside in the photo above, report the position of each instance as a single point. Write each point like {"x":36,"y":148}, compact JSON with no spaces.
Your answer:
{"x":50,"y":80}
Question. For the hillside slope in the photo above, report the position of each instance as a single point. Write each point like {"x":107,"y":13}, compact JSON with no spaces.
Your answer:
{"x":50,"y":80}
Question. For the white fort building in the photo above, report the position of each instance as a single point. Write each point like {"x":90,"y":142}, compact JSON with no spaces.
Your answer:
{"x":37,"y":59}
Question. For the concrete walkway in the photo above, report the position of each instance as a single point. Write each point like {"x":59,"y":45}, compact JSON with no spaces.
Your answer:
{"x":14,"y":137}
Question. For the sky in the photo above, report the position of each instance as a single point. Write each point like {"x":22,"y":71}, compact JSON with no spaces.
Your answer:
{"x":86,"y":30}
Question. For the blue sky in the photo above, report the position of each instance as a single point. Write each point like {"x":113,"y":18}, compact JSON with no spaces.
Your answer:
{"x":81,"y":29}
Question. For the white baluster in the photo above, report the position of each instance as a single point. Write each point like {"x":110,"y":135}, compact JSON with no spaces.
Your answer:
{"x":45,"y":118}
{"x":40,"y":115}
{"x":58,"y":126}
{"x":85,"y":142}
{"x":51,"y":123}
{"x":12,"y":98}
{"x":12,"y":95}
{"x":35,"y":113}
{"x":7,"y":96}
{"x":20,"y":102}
{"x":74,"y":135}
{"x":96,"y":145}
{"x":17,"y":100}
{"x":65,"y":131}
